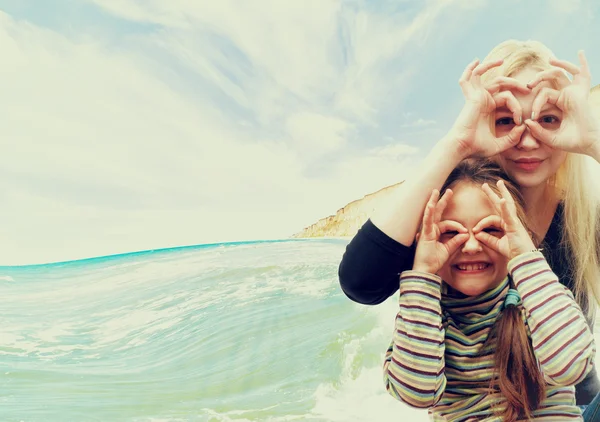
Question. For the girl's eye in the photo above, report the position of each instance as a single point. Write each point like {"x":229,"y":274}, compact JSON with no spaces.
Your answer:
{"x":505,"y":121}
{"x":448,"y":235}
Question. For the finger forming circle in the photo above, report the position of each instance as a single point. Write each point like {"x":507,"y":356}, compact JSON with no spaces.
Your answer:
{"x":563,"y":64}
{"x":545,"y":96}
{"x":507,"y":99}
{"x":504,"y":83}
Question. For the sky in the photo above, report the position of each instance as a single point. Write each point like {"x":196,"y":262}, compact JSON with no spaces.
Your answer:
{"x":142,"y":124}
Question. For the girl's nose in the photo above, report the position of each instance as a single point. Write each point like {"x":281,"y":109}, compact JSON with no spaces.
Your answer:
{"x":472,"y":245}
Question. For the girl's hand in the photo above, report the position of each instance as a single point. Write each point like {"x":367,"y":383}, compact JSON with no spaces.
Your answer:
{"x":514,"y":239}
{"x":432,"y":252}
{"x":473,"y":131}
{"x":579,"y":130}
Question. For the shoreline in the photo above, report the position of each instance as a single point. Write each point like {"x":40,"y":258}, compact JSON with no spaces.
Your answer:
{"x":116,"y":255}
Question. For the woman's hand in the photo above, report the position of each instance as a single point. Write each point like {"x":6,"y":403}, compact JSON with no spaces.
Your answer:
{"x":473,"y":132}
{"x":579,"y":130}
{"x":432,"y":252}
{"x":515,"y":239}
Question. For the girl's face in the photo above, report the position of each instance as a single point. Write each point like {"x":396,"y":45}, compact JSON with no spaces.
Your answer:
{"x":530,"y":163}
{"x":474,"y":268}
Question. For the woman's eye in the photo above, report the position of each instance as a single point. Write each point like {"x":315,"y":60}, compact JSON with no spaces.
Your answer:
{"x":549,"y":121}
{"x":505,"y":121}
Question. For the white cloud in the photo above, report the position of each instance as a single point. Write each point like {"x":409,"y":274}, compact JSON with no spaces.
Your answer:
{"x":562,"y":6}
{"x":394,"y":151}
{"x":289,"y":44}
{"x":204,"y":129}
{"x":316,"y":134}
{"x":314,"y":51}
{"x":420,"y":123}
{"x":149,"y":11}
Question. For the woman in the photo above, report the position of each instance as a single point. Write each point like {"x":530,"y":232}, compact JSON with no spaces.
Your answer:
{"x":522,"y":111}
{"x":485,"y":331}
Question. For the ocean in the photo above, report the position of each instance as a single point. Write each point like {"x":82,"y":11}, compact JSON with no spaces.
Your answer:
{"x":247,"y":331}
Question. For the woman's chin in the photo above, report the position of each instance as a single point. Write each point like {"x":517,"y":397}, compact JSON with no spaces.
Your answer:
{"x":529,"y":179}
{"x":529,"y":182}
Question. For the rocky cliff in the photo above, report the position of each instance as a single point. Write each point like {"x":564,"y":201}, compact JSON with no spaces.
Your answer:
{"x":347,"y":220}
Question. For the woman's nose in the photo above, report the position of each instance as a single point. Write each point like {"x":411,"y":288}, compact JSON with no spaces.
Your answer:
{"x":527,"y":142}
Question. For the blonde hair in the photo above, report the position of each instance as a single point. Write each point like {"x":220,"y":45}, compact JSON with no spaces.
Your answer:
{"x":571,"y":183}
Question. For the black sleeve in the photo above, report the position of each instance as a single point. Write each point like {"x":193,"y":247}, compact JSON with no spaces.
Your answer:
{"x":371,"y":265}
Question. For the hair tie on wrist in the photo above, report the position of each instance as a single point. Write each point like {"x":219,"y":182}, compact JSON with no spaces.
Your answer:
{"x":512,"y":298}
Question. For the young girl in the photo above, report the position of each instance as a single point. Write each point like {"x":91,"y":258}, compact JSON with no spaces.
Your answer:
{"x":485,"y":331}
{"x":523,"y":112}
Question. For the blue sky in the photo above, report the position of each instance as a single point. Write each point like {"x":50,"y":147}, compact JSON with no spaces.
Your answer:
{"x":143,"y":124}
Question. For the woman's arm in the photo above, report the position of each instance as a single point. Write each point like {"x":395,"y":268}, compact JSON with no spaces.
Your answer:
{"x":399,"y":217}
{"x":383,"y":247}
{"x":414,"y":362}
{"x":471,"y":135}
{"x":562,"y":340}
{"x":371,"y":265}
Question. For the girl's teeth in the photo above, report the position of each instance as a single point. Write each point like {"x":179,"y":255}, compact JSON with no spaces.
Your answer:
{"x":472,"y":267}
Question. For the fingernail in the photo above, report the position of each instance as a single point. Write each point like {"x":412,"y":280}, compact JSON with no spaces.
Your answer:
{"x":533,"y":115}
{"x":520,"y":120}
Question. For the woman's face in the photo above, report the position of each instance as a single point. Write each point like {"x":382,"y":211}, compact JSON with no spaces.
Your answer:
{"x":530,"y":163}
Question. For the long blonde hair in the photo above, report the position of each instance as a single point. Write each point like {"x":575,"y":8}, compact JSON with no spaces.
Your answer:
{"x":572,"y":183}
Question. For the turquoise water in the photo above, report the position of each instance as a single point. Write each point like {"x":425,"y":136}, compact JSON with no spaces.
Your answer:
{"x":253,"y":331}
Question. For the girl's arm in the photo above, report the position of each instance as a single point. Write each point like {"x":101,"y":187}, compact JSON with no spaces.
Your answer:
{"x":414,"y":362}
{"x":561,"y":338}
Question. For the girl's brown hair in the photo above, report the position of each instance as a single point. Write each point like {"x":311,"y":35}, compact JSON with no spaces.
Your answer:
{"x":516,"y":372}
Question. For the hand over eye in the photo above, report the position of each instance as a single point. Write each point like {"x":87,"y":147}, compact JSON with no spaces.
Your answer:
{"x":437,"y":239}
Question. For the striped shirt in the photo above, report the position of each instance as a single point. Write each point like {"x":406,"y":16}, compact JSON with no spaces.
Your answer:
{"x":436,"y":359}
